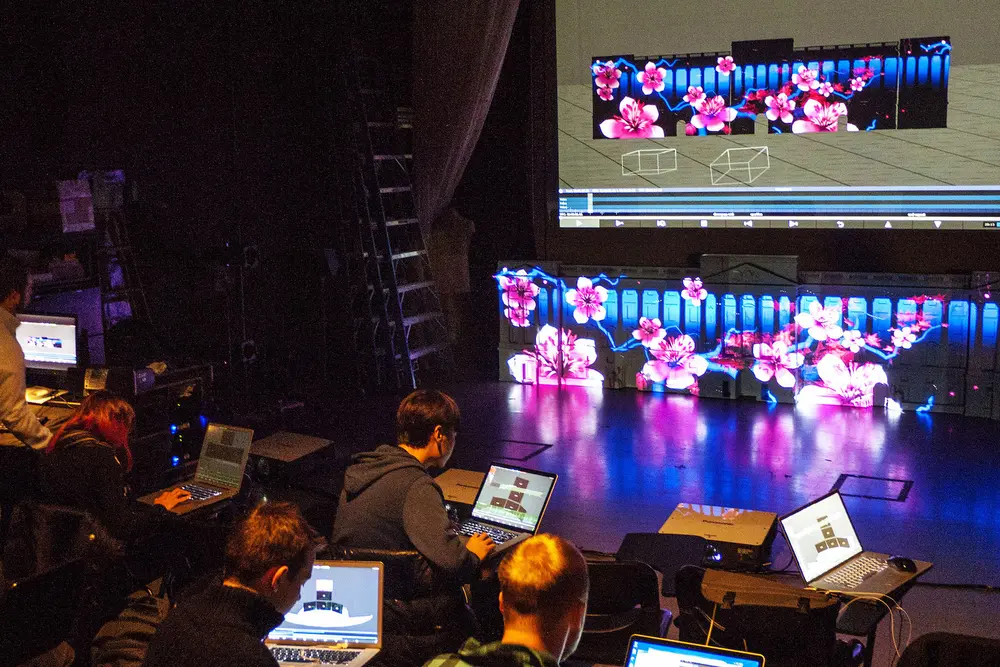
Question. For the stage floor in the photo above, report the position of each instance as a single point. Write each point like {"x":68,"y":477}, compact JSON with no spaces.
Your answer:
{"x":626,"y":458}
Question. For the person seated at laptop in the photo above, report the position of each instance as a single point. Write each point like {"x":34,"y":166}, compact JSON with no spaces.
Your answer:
{"x":390,"y":502}
{"x":86,"y":463}
{"x":269,"y":557}
{"x":543,"y":598}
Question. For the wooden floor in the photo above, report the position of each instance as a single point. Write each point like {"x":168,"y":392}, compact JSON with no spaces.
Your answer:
{"x":626,"y":458}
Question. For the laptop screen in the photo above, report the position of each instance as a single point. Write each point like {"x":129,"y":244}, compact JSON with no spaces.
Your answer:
{"x":224,"y":455}
{"x":340,"y":604}
{"x":514,"y":497}
{"x":821,"y":536}
{"x":655,"y":652}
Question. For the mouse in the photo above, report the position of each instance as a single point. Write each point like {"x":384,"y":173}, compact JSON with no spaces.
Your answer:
{"x":902,"y":564}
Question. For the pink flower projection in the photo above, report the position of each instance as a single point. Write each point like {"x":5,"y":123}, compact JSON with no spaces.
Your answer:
{"x":651,"y":79}
{"x":558,"y":357}
{"x":851,"y":385}
{"x":589,"y":301}
{"x":853,"y":340}
{"x":606,"y":75}
{"x":606,"y":94}
{"x":775,"y":361}
{"x":821,"y":322}
{"x":806,"y":79}
{"x":858,"y":84}
{"x":713,"y":114}
{"x":518,"y":297}
{"x":725,"y":65}
{"x":641,"y":382}
{"x":825,"y":89}
{"x":637,"y":121}
{"x":650,"y":332}
{"x":822,"y":117}
{"x":779,"y":106}
{"x":695,"y":95}
{"x":694,"y":292}
{"x":903,"y":337}
{"x":674,"y":363}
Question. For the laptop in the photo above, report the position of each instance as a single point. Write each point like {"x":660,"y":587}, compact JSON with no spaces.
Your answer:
{"x":509,"y":505}
{"x":829,"y":553}
{"x":658,"y":652}
{"x":337,"y":620}
{"x":220,"y":469}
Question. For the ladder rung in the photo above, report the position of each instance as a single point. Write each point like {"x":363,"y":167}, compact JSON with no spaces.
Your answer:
{"x":401,"y":222}
{"x":392,"y":156}
{"x":408,"y":254}
{"x":412,"y":287}
{"x":424,"y":351}
{"x":399,"y":188}
{"x":413,"y":320}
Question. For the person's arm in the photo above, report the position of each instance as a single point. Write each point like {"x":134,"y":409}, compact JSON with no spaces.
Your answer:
{"x":14,"y":411}
{"x":426,"y":523}
{"x":122,"y":516}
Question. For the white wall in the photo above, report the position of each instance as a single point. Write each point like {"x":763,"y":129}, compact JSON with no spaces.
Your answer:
{"x":585,"y":28}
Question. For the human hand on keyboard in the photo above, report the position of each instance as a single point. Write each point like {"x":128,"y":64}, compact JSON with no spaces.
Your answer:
{"x":173,"y":498}
{"x":480,"y":544}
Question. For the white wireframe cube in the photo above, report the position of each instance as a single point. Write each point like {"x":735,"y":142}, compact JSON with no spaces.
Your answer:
{"x":742,"y":165}
{"x":649,"y":162}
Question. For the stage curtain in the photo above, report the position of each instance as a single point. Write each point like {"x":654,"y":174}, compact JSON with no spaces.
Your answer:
{"x":458,"y":49}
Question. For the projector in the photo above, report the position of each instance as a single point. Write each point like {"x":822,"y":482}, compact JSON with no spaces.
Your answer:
{"x":735,"y":539}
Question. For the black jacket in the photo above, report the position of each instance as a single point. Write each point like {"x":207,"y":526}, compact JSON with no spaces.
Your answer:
{"x":221,"y":627}
{"x":85,"y":473}
{"x":389,"y":502}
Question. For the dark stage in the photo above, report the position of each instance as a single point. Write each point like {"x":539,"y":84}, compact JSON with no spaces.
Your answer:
{"x":626,"y":458}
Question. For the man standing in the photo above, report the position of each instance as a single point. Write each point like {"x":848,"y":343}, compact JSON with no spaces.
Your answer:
{"x":23,"y":430}
{"x":269,"y":557}
{"x":543,"y":598}
{"x":391,"y":503}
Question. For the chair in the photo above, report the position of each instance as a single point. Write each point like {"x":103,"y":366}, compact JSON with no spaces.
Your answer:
{"x":789,"y":626}
{"x":946,"y":649}
{"x":624,"y":600}
{"x":664,"y":553}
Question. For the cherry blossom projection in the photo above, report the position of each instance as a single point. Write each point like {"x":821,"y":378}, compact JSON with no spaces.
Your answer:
{"x":818,"y":355}
{"x":900,"y":85}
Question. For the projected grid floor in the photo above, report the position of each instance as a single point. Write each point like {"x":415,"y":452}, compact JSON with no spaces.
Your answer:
{"x":967,"y":152}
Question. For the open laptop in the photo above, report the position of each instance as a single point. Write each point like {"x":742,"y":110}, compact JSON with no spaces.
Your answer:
{"x":658,"y":652}
{"x":510,"y":505}
{"x":337,"y":620}
{"x":220,"y":469}
{"x":829,"y":553}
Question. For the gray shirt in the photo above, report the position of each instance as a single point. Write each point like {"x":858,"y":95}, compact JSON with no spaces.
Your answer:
{"x":20,"y":421}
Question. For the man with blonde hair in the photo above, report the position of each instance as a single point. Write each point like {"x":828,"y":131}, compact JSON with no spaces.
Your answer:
{"x":543,"y":599}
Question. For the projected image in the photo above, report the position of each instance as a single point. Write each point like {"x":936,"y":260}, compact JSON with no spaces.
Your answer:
{"x":682,"y":335}
{"x":688,"y":119}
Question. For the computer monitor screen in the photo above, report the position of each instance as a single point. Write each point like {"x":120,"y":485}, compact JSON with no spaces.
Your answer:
{"x":514,"y":497}
{"x":821,"y":536}
{"x":655,"y":652}
{"x":341,"y":602}
{"x":48,"y":341}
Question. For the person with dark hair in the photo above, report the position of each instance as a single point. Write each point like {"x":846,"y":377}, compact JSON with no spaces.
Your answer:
{"x":86,"y":463}
{"x":390,"y":502}
{"x":269,"y":557}
{"x":23,"y":430}
{"x":543,"y":598}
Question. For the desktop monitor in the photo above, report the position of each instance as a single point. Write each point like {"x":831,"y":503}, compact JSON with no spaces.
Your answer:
{"x":48,"y":341}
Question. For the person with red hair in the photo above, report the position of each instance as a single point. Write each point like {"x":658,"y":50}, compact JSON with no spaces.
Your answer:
{"x":86,"y":464}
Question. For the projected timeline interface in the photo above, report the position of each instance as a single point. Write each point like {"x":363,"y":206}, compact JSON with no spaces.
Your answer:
{"x":911,"y":207}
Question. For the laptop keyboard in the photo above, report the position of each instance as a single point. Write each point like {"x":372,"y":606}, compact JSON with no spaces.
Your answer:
{"x":851,"y":576}
{"x":201,"y":492}
{"x":498,"y":535}
{"x":320,"y":655}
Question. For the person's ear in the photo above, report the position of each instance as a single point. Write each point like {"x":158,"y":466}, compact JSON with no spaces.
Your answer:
{"x":439,"y":437}
{"x":277,"y":575}
{"x":500,"y":602}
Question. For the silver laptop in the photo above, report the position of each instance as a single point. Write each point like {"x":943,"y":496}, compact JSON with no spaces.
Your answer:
{"x":659,"y":652}
{"x":510,"y":505}
{"x":829,"y":553}
{"x":220,"y":469}
{"x":337,"y":620}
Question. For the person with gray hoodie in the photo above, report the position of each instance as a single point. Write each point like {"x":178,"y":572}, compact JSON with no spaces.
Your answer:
{"x":391,"y":504}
